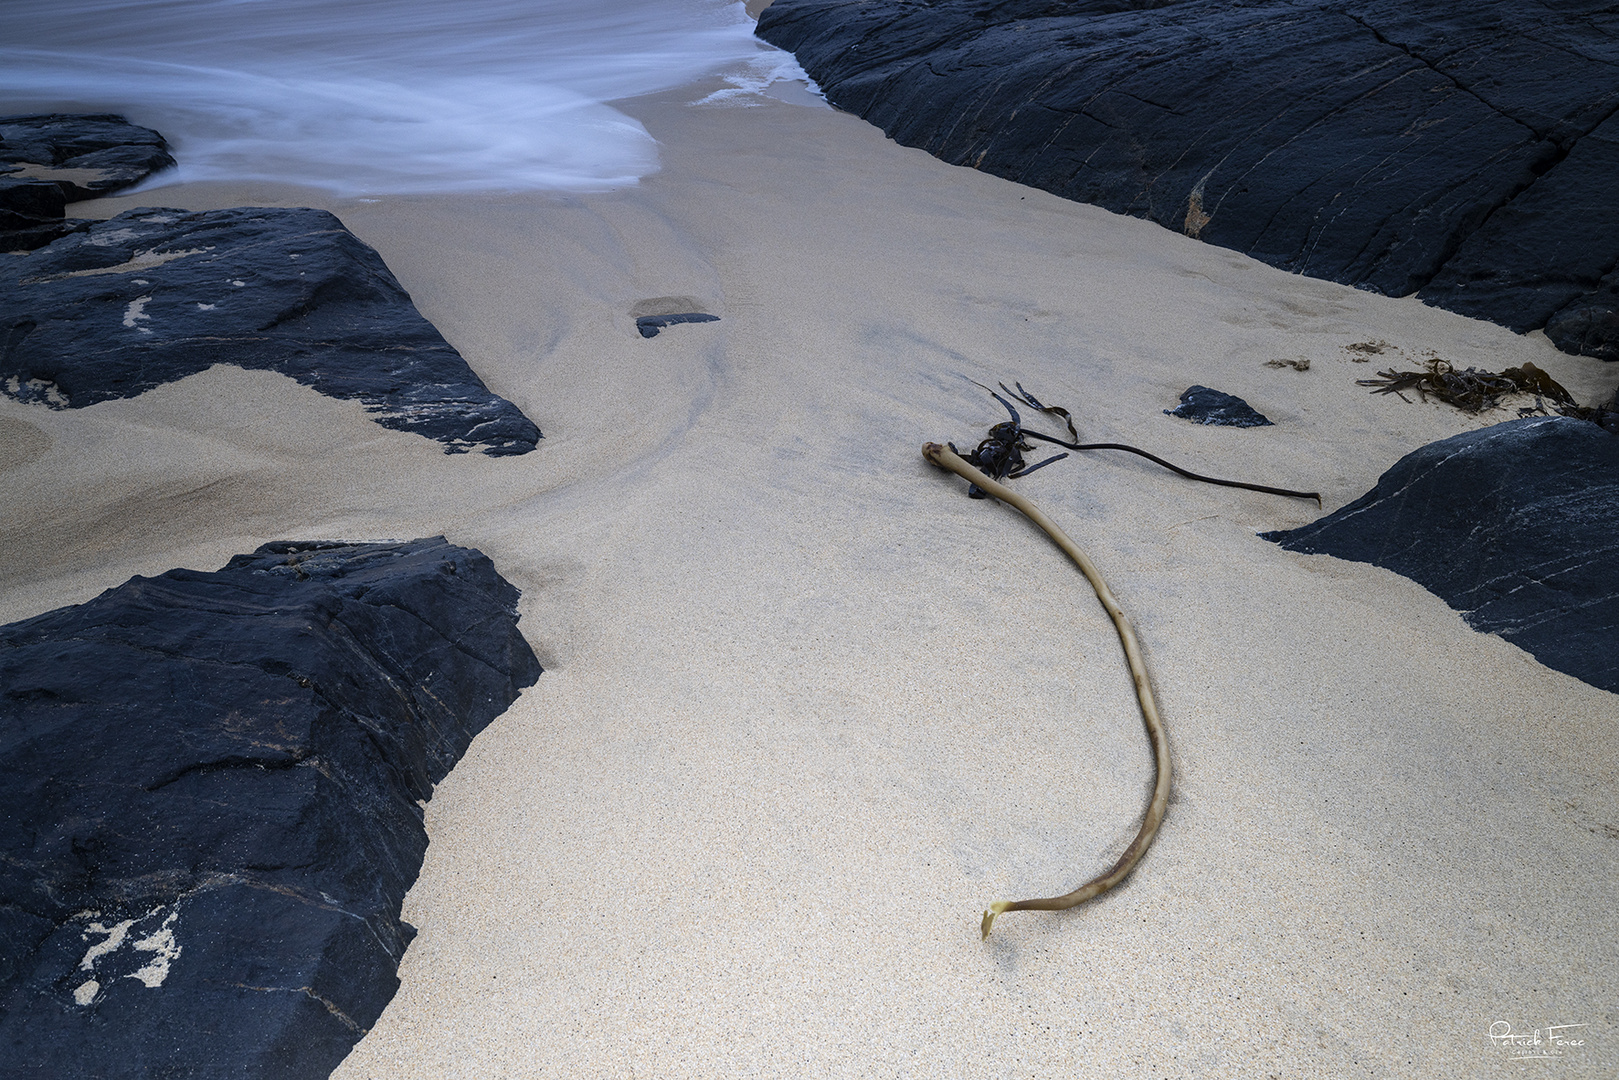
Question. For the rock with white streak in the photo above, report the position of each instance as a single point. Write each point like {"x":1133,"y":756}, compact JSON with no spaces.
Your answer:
{"x":213,"y":802}
{"x":154,"y":295}
{"x":1516,"y":526}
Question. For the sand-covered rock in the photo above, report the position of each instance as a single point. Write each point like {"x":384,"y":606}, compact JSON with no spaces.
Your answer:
{"x":1463,"y":152}
{"x":213,"y":802}
{"x":1514,"y":526}
{"x":154,"y":295}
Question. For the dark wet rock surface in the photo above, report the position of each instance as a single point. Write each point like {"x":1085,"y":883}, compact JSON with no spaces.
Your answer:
{"x":213,"y":797}
{"x":1206,"y":406}
{"x":27,"y":203}
{"x":51,"y":159}
{"x":1461,"y":151}
{"x":154,"y":295}
{"x":85,"y":155}
{"x":1516,"y":526}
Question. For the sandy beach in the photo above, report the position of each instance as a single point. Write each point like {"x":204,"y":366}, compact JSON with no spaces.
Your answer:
{"x":808,"y":709}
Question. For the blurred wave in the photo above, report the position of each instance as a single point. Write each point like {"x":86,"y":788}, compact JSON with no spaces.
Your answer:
{"x":377,"y":96}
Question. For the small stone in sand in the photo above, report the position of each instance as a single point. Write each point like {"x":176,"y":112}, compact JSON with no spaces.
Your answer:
{"x":649,"y":325}
{"x":1208,"y":406}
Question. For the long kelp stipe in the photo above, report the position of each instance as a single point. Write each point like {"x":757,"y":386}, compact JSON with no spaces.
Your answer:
{"x":1001,"y":454}
{"x":945,"y":458}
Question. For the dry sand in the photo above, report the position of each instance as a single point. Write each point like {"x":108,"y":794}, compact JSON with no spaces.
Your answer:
{"x":808,"y":709}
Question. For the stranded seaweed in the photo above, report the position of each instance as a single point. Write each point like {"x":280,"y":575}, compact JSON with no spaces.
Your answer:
{"x":946,"y":458}
{"x":1475,"y":391}
{"x":1001,"y":454}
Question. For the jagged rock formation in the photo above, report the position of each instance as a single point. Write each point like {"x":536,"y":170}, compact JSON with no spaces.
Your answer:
{"x":49,"y":160}
{"x":154,"y":295}
{"x":213,"y":797}
{"x":1461,"y":151}
{"x":1516,"y":526}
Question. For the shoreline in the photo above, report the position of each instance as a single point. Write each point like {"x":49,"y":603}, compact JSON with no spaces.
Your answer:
{"x":807,"y":709}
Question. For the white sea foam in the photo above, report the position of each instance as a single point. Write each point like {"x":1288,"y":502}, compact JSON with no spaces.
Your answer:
{"x":382,"y":95}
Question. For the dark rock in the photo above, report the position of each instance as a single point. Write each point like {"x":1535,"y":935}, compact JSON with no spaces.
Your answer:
{"x":85,"y":155}
{"x":1462,"y":151}
{"x":1589,"y":325}
{"x":37,"y":235}
{"x":154,"y":295}
{"x":31,"y":214}
{"x":1516,"y":526}
{"x":212,"y":807}
{"x":25,"y":203}
{"x":1207,"y":406}
{"x":49,"y":160}
{"x":649,"y":325}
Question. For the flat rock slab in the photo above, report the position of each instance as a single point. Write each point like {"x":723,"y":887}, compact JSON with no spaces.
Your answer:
{"x":1205,"y":406}
{"x":1516,"y":526}
{"x":213,"y":799}
{"x":1461,"y":151}
{"x":154,"y":295}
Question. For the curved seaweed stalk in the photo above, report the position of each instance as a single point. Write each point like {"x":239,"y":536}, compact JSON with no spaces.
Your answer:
{"x":945,"y":458}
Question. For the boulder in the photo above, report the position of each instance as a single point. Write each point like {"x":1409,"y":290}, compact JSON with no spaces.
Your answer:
{"x":154,"y":295}
{"x":1516,"y":526}
{"x":49,"y":160}
{"x":26,"y":203}
{"x":1460,"y":151}
{"x":1589,"y":325}
{"x":84,"y":155}
{"x":213,"y":802}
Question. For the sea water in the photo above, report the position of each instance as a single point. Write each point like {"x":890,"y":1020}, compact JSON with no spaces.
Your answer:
{"x":375,"y":96}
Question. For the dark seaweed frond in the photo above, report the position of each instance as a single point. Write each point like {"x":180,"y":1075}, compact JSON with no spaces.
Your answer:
{"x":1475,"y":391}
{"x":1050,"y":410}
{"x":1001,"y":454}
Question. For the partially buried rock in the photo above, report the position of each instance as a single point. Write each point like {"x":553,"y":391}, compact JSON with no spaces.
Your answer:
{"x":1513,"y":525}
{"x":154,"y":295}
{"x":213,"y":799}
{"x":31,"y":213}
{"x":1589,"y":325}
{"x":649,"y":325}
{"x":1207,"y":406}
{"x":26,"y":203}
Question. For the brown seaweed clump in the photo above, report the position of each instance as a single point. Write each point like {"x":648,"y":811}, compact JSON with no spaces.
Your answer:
{"x":1475,"y":391}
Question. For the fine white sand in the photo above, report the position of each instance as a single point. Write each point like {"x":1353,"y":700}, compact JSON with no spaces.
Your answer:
{"x":808,"y":709}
